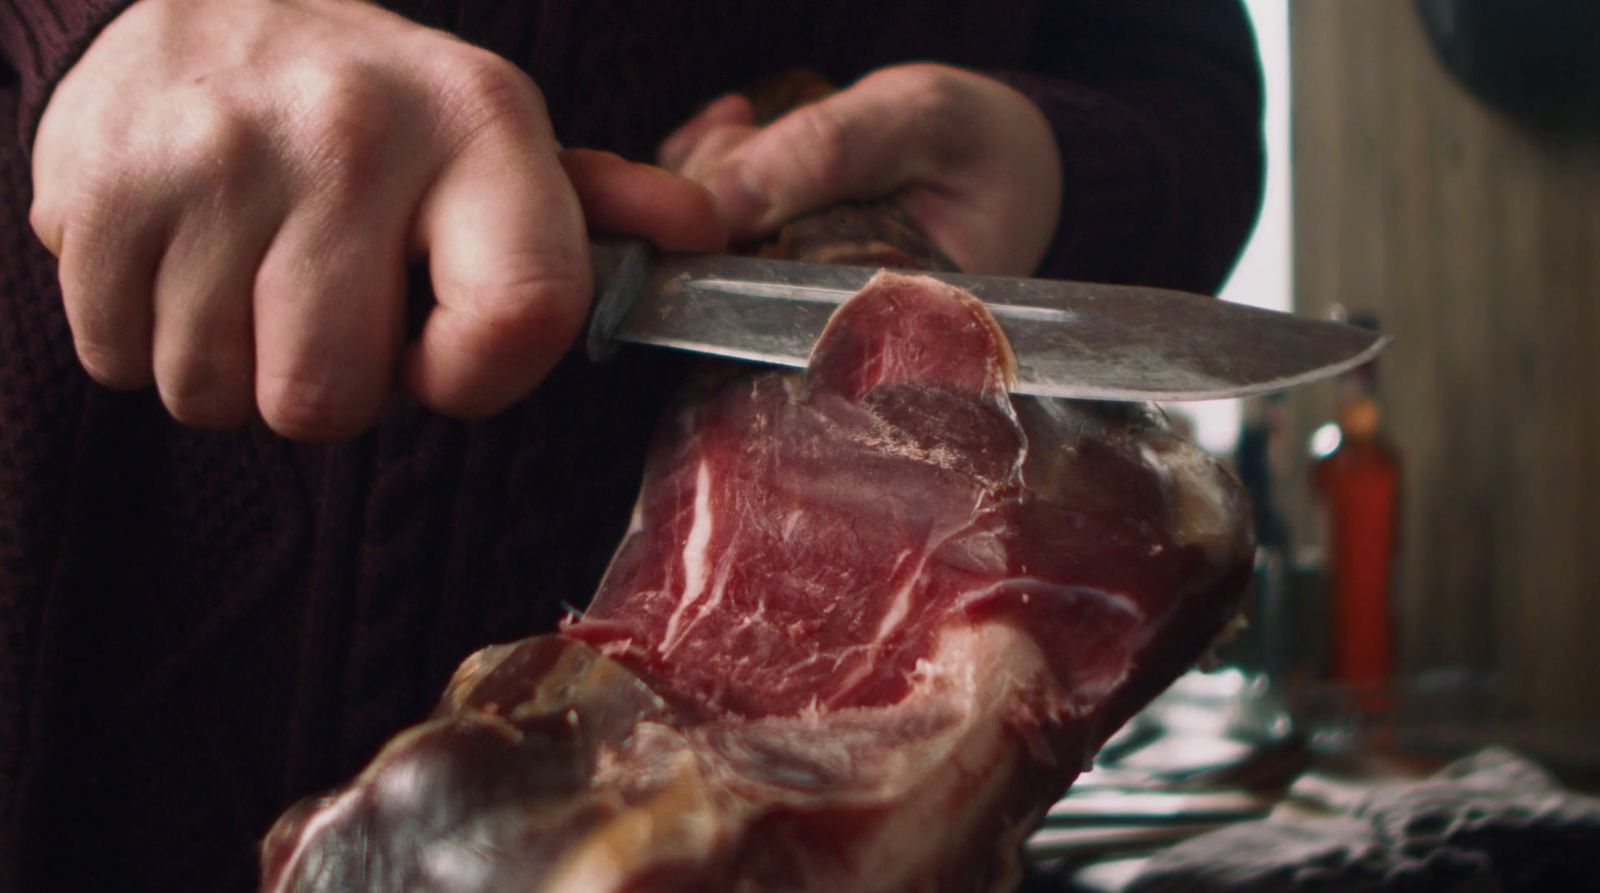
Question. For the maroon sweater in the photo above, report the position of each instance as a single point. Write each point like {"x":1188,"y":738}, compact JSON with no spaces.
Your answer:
{"x":197,"y":629}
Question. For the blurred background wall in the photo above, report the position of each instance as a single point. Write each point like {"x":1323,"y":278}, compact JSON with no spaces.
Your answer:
{"x":1475,"y":236}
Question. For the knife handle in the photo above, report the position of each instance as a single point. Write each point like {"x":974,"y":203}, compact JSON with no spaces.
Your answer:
{"x":619,"y":267}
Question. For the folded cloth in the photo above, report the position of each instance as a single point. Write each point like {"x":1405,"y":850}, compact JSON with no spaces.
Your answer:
{"x":1488,"y":823}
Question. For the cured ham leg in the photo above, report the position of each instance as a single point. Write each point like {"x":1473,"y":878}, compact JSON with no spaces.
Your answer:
{"x":869,"y":621}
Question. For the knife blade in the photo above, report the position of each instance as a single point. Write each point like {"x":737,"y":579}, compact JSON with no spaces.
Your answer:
{"x":1071,"y":339}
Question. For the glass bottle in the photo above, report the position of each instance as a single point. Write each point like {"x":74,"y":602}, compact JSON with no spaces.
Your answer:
{"x":1359,"y":485}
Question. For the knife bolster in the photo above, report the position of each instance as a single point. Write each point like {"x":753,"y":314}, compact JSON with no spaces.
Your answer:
{"x":619,"y":268}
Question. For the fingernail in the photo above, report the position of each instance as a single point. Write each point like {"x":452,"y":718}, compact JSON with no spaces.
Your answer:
{"x":740,"y":197}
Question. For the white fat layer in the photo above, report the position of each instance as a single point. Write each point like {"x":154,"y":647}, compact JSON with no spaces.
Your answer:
{"x":719,"y":587}
{"x":636,"y":520}
{"x":791,"y":522}
{"x":695,"y":547}
{"x":901,"y":605}
{"x":975,"y":677}
{"x":985,"y":666}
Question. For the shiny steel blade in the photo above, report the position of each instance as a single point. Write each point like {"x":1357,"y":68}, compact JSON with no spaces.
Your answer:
{"x":1071,"y":339}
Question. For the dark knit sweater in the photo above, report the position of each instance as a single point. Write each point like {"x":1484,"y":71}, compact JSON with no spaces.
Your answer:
{"x":198,"y":628}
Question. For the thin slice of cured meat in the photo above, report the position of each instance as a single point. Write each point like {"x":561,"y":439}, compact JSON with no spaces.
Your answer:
{"x":868,"y":622}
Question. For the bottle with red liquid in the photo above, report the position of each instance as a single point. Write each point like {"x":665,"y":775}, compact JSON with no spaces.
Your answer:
{"x":1359,"y":484}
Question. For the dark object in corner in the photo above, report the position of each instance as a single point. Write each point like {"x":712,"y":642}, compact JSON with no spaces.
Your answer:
{"x":1538,"y":62}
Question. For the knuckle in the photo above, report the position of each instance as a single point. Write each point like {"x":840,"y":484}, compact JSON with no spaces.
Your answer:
{"x":823,"y":151}
{"x":314,"y":409}
{"x":210,"y":388}
{"x":112,"y":365}
{"x":108,"y":192}
{"x":211,"y":139}
{"x":489,"y":95}
{"x":213,"y":152}
{"x":714,"y":146}
{"x":538,"y":300}
{"x":940,"y":108}
{"x":206,"y":406}
{"x":342,"y":126}
{"x":930,"y":85}
{"x":45,"y":219}
{"x":207,"y":152}
{"x":346,"y":124}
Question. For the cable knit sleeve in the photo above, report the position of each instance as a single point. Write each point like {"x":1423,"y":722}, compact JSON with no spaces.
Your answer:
{"x":1156,"y":106}
{"x":40,"y":40}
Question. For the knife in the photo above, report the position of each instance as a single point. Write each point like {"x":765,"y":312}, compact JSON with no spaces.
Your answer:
{"x":1071,"y":339}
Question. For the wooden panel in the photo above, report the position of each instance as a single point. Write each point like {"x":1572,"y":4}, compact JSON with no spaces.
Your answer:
{"x":1476,"y":240}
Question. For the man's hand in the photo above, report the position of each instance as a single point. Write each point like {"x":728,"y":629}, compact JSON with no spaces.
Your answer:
{"x":235,"y":188}
{"x":972,"y":161}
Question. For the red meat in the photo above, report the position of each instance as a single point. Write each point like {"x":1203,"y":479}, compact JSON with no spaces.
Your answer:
{"x":868,"y":623}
